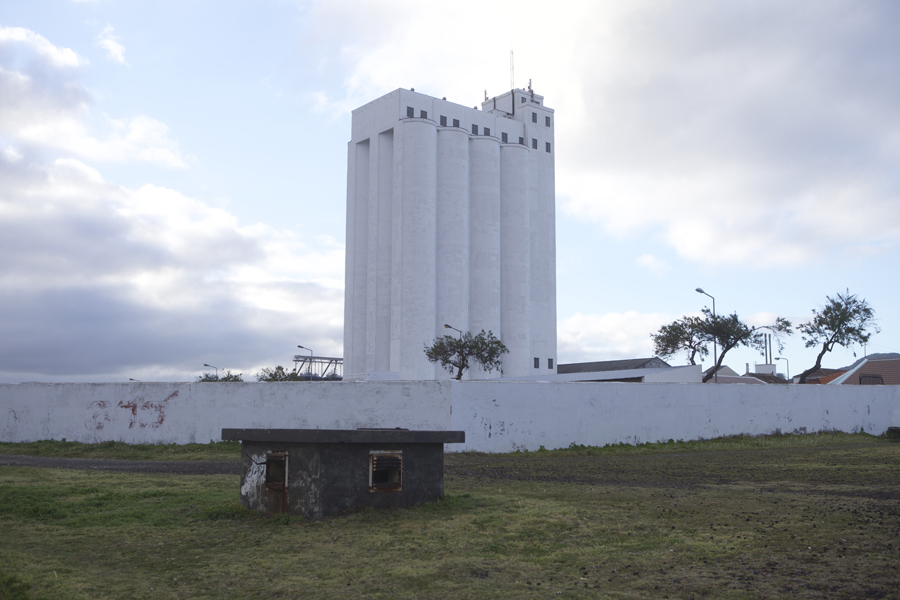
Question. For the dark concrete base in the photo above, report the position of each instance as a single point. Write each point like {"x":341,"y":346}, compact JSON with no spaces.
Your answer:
{"x":302,"y":474}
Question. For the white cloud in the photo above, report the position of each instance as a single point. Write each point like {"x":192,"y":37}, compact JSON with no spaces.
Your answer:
{"x":110,"y":42}
{"x":741,"y":134}
{"x":57,"y":57}
{"x":651,"y":263}
{"x":106,"y":281}
{"x":44,"y":104}
{"x":11,"y":154}
{"x":149,"y":276}
{"x":610,"y":336}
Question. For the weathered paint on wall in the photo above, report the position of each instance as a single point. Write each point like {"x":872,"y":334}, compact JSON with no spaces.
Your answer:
{"x":496,"y":416}
{"x":505,"y":416}
{"x":197,"y":412}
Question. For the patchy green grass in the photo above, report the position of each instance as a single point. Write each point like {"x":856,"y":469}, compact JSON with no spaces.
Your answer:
{"x":123,"y":451}
{"x":787,"y":519}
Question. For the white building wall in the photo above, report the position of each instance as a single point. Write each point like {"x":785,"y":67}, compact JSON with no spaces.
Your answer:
{"x":515,"y":260}
{"x":381,"y":352}
{"x":452,"y":255}
{"x":484,"y":227}
{"x":430,"y":240}
{"x":496,"y":416}
{"x":416,"y":295}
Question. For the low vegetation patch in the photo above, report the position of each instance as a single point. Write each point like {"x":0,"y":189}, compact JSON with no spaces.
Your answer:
{"x":811,"y":518}
{"x":123,"y":451}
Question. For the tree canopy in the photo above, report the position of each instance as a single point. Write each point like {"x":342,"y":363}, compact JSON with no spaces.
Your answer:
{"x":279,"y":373}
{"x":684,"y":335}
{"x":454,"y":353}
{"x":693,"y":335}
{"x":226,"y":377}
{"x":843,"y":321}
{"x":730,"y":332}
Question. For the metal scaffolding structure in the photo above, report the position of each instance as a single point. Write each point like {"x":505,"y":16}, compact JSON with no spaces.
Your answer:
{"x":319,"y":367}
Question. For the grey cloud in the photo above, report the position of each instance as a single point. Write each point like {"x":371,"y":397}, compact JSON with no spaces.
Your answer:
{"x":766,"y":110}
{"x":808,"y":83}
{"x":70,"y":304}
{"x":58,"y":212}
{"x":102,"y":330}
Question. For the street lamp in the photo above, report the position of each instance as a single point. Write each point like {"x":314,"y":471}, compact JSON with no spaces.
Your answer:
{"x":715,"y":359}
{"x":788,"y":366}
{"x":454,"y":329}
{"x":309,"y":364}
{"x":212,"y":367}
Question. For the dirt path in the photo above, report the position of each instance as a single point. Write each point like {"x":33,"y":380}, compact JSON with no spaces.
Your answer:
{"x":196,"y":467}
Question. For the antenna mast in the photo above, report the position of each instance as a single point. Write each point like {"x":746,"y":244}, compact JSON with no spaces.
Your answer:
{"x":512,"y":71}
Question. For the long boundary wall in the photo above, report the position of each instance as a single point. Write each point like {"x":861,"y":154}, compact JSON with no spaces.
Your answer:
{"x":496,"y":416}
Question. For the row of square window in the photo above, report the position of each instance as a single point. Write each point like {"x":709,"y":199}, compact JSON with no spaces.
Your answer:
{"x":537,"y":363}
{"x":410,"y":113}
{"x":423,"y":114}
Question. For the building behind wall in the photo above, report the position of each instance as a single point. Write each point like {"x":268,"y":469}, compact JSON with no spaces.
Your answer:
{"x":450,"y":219}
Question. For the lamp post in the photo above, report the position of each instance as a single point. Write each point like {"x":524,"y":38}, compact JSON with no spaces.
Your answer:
{"x":309,"y":364}
{"x":715,"y":350}
{"x":212,"y":367}
{"x":788,"y":366}
{"x":454,"y":329}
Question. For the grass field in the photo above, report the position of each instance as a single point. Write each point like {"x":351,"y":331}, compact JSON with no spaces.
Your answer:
{"x":813,"y":516}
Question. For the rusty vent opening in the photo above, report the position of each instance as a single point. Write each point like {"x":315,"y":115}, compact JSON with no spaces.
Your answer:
{"x":276,"y":471}
{"x":385,"y":470}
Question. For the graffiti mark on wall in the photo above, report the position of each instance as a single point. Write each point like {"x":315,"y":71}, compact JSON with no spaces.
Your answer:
{"x":254,"y":479}
{"x":144,"y":413}
{"x":99,"y":416}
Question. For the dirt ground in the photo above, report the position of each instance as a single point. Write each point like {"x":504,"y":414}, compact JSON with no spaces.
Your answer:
{"x":806,"y":521}
{"x":816,"y":467}
{"x":671,"y":470}
{"x":197,"y":467}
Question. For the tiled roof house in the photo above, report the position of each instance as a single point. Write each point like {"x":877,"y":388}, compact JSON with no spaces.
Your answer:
{"x":870,"y":371}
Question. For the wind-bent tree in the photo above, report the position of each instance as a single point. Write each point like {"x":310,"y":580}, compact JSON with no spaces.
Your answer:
{"x":454,"y":353}
{"x":843,"y":321}
{"x":730,"y":332}
{"x":684,"y":335}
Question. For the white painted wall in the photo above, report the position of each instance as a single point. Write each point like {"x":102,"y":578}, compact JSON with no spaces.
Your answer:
{"x":505,"y":416}
{"x":497,"y":416}
{"x":182,"y":413}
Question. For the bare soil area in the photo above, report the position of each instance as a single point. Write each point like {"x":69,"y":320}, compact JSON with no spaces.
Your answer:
{"x":195,"y":467}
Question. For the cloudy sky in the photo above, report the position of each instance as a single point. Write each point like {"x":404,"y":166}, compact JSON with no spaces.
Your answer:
{"x":173,"y":173}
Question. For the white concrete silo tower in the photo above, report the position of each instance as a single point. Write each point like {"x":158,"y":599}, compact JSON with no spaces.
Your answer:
{"x":450,"y":219}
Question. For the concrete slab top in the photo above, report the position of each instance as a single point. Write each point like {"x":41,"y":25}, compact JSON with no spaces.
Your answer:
{"x":345,"y":436}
